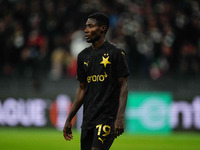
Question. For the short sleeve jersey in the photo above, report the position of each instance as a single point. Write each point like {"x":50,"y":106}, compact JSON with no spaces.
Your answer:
{"x":99,"y":70}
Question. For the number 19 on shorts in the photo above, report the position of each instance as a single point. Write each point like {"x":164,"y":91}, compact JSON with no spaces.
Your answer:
{"x":103,"y":128}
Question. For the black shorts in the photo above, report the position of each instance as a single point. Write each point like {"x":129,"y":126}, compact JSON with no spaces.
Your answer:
{"x":102,"y":136}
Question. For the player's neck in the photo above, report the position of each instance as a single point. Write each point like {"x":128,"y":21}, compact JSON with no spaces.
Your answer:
{"x":98,"y":43}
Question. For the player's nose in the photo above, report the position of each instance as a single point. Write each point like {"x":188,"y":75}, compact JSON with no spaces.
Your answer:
{"x":86,"y":30}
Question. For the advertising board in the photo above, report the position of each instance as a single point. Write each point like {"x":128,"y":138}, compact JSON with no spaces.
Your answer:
{"x":146,"y":112}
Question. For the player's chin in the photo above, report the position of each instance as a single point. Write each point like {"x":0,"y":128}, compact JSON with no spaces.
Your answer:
{"x":89,"y":40}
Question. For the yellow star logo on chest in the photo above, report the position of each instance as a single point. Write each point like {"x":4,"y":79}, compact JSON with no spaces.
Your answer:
{"x":105,"y":61}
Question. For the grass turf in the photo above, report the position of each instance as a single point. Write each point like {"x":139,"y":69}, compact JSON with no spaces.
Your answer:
{"x":51,"y":139}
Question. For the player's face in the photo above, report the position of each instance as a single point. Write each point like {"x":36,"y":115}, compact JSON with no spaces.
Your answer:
{"x":92,"y":31}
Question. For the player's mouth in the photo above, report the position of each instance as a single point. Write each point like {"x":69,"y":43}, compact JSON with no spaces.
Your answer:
{"x":86,"y":36}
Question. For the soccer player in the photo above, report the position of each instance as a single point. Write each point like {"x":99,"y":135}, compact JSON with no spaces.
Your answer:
{"x":102,"y":71}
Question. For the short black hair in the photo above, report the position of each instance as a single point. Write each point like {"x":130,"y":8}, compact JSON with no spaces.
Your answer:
{"x":101,"y":18}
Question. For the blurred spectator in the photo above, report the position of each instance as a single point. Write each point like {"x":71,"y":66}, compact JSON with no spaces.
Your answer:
{"x":78,"y":43}
{"x":57,"y":63}
{"x":33,"y":54}
{"x":189,"y":63}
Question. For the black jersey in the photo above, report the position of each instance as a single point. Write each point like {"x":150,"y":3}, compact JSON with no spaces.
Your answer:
{"x":100,"y":69}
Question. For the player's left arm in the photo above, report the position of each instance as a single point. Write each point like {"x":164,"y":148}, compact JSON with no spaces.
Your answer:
{"x":119,"y":122}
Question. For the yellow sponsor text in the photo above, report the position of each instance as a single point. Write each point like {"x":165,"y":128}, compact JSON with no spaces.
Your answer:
{"x":97,"y":78}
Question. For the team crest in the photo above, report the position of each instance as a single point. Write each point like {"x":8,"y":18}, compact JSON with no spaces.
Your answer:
{"x":105,"y":60}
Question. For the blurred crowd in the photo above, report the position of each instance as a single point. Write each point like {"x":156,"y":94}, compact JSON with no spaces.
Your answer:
{"x":41,"y":38}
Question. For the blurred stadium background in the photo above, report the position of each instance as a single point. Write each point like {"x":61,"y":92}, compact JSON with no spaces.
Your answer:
{"x":39,"y":43}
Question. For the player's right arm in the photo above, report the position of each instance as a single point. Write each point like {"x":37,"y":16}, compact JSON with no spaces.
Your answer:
{"x":67,"y":132}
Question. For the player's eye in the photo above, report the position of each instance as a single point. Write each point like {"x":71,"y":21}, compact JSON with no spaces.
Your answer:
{"x":89,"y":25}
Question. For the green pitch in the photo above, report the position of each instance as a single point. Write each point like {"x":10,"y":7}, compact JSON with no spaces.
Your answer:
{"x":51,"y":139}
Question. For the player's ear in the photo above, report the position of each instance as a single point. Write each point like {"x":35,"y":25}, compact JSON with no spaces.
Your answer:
{"x":103,"y":28}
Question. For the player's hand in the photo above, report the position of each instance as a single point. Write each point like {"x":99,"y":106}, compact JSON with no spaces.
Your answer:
{"x":67,"y":131}
{"x":119,"y":127}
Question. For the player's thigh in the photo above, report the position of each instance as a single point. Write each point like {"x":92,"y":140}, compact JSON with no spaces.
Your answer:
{"x":86,"y":139}
{"x":103,"y":136}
